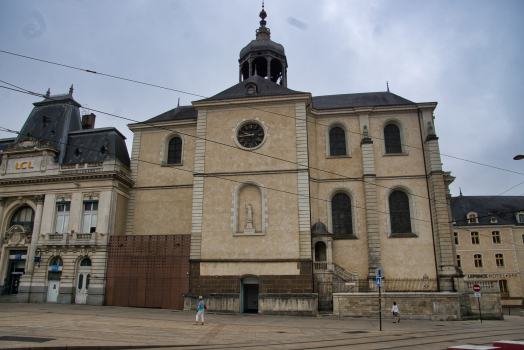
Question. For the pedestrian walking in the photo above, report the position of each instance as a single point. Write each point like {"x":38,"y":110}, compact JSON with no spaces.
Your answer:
{"x":394,"y":311}
{"x":200,"y":310}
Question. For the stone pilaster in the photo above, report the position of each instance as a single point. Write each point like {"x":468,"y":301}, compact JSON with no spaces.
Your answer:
{"x":370,"y":193}
{"x":304,"y":214}
{"x":135,"y":155}
{"x":442,"y":232}
{"x":24,"y":290}
{"x":2,"y":207}
{"x":198,"y":186}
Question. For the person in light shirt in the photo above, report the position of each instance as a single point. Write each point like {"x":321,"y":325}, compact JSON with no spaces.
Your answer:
{"x":394,"y":311}
{"x":200,"y":310}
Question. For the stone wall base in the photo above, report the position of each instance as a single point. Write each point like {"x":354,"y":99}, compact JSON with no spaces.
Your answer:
{"x":288,"y":304}
{"x":268,"y":303}
{"x":418,"y":306}
{"x":215,"y":302}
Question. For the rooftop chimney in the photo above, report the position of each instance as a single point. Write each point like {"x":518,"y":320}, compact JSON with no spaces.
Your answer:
{"x":88,"y":121}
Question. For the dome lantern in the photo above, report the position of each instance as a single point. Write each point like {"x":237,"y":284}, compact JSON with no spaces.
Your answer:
{"x":263,"y":56}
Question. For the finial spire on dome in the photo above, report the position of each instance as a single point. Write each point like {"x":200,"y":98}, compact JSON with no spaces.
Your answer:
{"x":263,"y":32}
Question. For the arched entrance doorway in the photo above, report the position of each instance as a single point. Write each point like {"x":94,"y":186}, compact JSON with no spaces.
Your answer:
{"x":53,"y":277}
{"x":249,"y":295}
{"x":82,"y":280}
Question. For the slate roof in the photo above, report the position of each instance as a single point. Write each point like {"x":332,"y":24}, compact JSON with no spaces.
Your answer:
{"x":57,"y":119}
{"x":265,"y":88}
{"x":487,"y":207}
{"x":179,"y":113}
{"x":262,"y":44}
{"x":96,"y":145}
{"x":52,"y":120}
{"x":364,"y":99}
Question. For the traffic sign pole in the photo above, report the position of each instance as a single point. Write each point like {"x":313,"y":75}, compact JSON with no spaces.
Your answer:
{"x":379,"y":308}
{"x":476,"y":288}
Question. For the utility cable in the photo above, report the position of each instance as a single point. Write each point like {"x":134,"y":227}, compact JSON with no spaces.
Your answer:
{"x":251,"y":107}
{"x":223,"y":144}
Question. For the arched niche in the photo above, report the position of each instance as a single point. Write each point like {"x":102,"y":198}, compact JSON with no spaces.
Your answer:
{"x":249,"y":202}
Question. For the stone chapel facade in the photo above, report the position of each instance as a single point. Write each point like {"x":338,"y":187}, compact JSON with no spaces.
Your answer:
{"x":292,"y":201}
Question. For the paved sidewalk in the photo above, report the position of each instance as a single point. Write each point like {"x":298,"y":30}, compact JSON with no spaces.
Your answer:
{"x":60,"y":326}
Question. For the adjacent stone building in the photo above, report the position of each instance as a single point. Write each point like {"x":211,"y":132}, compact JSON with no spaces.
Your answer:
{"x":64,"y":188}
{"x":489,"y":241}
{"x":291,"y":200}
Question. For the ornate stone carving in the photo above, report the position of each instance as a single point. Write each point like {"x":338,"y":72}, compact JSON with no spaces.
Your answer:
{"x":17,"y":235}
{"x":91,"y":196}
{"x":39,"y":198}
{"x":63,"y":197}
{"x":29,"y":143}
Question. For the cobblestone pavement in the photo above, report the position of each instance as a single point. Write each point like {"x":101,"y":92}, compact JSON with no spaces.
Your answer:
{"x":31,"y":326}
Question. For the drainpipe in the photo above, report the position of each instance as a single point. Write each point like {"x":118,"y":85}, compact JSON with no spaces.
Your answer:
{"x":429,"y":198}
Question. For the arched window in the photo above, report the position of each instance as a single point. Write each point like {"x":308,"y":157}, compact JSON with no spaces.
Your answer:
{"x":320,"y":252}
{"x":399,"y":212}
{"x":341,"y":214}
{"x":25,"y":217}
{"x":174,"y":153}
{"x":85,"y":262}
{"x":392,"y":139}
{"x":56,"y":261}
{"x":337,"y":142}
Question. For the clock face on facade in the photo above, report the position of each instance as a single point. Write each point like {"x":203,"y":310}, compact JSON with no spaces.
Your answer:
{"x":250,"y":135}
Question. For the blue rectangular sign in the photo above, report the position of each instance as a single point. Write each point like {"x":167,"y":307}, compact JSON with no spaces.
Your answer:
{"x":54,"y":268}
{"x":379,"y":282}
{"x":18,"y":256}
{"x":37,"y":259}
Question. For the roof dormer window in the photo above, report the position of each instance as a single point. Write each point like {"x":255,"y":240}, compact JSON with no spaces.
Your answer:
{"x":472,"y":218}
{"x":493,"y":220}
{"x":520,"y":217}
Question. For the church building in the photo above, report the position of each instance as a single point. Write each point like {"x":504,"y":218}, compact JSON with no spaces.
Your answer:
{"x":266,"y":199}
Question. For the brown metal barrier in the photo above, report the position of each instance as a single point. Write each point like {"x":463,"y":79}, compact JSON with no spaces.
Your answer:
{"x":148,"y":271}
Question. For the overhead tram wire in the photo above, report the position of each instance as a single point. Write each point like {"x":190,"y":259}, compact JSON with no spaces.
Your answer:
{"x":22,"y":90}
{"x":221,"y":178}
{"x":246,"y":106}
{"x":192,"y":172}
{"x":250,"y":107}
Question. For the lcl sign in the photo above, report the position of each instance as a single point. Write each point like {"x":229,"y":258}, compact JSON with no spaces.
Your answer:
{"x":23,"y":165}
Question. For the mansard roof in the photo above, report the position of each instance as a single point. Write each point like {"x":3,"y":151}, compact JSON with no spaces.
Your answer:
{"x":96,"y":145}
{"x":364,"y":99}
{"x":265,"y":87}
{"x":503,"y":208}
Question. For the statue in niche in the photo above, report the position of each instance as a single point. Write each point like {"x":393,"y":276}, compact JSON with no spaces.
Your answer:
{"x":365,"y":132}
{"x":249,"y":219}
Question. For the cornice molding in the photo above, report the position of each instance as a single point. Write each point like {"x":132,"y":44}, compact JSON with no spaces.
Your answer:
{"x":59,"y":178}
{"x":242,"y":173}
{"x":251,"y":100}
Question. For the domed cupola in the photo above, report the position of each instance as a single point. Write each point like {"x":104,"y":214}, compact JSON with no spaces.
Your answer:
{"x":263,"y":56}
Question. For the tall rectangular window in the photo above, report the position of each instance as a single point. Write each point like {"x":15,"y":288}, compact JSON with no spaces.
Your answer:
{"x":90,"y":216}
{"x":456,"y":235}
{"x":459,"y":261}
{"x":475,"y":238}
{"x":495,"y":235}
{"x":62,"y":216}
{"x":477,"y":258}
{"x":499,"y":259}
{"x":503,"y":285}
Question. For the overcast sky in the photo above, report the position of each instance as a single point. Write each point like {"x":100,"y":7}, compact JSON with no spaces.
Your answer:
{"x":465,"y":55}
